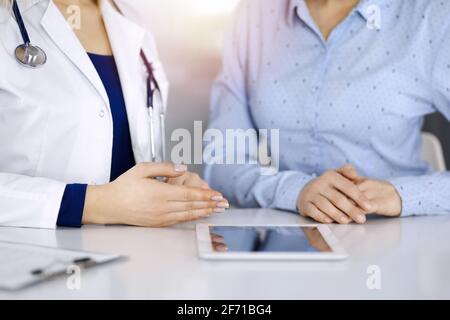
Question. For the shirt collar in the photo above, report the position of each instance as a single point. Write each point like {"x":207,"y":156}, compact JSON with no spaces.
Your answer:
{"x":367,"y":10}
{"x":296,"y":9}
{"x":292,"y":12}
{"x":24,"y":5}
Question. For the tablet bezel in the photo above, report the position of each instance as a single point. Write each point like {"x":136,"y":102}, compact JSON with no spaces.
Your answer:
{"x":206,"y":251}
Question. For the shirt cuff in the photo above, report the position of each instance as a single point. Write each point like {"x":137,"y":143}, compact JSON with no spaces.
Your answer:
{"x":290,"y":190}
{"x":413,"y":197}
{"x":72,"y":206}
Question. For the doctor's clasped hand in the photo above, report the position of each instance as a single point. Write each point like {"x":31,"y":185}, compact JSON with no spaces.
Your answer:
{"x":138,"y":198}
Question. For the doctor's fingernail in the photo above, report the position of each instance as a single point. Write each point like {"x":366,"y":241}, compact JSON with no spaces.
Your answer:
{"x":223,"y":205}
{"x":219,"y":210}
{"x":360,"y":218}
{"x":180,"y":168}
{"x":217,"y":198}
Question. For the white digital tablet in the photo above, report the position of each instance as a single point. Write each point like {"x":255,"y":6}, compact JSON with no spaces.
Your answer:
{"x":287,"y":242}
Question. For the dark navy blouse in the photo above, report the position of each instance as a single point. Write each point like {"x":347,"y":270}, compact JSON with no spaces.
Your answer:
{"x":72,"y":205}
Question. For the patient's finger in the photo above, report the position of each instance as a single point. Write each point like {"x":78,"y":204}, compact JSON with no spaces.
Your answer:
{"x":350,"y":189}
{"x":345,"y":204}
{"x":349,"y":172}
{"x":314,"y":213}
{"x":325,"y":206}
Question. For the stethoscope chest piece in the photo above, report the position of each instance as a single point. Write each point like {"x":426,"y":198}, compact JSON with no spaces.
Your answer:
{"x":27,"y":54}
{"x":30,"y":56}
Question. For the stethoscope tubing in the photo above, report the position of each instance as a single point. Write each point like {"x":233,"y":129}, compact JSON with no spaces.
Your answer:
{"x":151,"y":81}
{"x":20,"y":23}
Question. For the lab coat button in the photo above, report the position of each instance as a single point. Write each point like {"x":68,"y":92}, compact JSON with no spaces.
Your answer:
{"x":101,"y":114}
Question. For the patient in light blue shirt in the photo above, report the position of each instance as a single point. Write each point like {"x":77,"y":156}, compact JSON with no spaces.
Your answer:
{"x":357,"y":96}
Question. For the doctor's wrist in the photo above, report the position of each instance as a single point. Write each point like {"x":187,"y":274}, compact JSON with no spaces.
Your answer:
{"x":94,"y":207}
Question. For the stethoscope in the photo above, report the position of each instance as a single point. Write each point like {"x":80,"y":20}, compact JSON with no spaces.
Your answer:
{"x":32,"y":56}
{"x":154,"y":101}
{"x":27,"y":54}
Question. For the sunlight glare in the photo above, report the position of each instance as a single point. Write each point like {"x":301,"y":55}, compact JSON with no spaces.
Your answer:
{"x":213,"y":7}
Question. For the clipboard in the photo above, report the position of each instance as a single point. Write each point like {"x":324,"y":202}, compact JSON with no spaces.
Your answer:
{"x":23,"y":265}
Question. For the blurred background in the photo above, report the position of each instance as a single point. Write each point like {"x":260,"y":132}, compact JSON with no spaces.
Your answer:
{"x":189,"y":35}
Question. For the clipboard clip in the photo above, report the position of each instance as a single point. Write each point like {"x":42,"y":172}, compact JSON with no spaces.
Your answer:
{"x":48,"y":271}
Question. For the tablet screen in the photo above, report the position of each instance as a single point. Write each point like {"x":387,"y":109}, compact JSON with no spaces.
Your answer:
{"x":267,"y":239}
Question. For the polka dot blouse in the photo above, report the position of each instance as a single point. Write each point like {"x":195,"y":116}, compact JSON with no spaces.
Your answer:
{"x":358,"y":97}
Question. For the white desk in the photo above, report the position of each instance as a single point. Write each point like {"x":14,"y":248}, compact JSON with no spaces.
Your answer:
{"x":413,"y":254}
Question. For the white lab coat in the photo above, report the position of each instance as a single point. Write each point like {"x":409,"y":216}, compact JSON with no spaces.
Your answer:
{"x":55,"y":122}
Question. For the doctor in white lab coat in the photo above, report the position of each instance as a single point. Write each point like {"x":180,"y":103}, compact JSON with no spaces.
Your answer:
{"x":56,"y":126}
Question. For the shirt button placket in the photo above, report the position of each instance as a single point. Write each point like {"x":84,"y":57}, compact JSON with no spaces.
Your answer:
{"x":322,"y":70}
{"x":316,"y":91}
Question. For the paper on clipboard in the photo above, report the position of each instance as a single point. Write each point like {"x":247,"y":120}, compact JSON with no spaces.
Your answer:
{"x":22,"y":265}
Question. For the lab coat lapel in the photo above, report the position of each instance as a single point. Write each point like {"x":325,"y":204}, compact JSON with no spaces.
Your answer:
{"x":60,"y":32}
{"x":126,"y":40}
